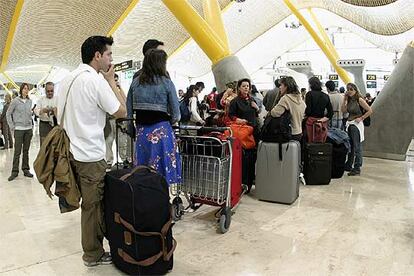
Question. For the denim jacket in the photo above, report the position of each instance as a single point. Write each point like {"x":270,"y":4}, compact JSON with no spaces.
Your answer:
{"x":161,"y":96}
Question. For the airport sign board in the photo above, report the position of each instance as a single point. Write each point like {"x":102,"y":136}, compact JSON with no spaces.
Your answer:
{"x":371,"y":77}
{"x":123,"y":66}
{"x":333,"y":77}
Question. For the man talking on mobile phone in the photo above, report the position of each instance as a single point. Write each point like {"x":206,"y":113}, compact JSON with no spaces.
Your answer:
{"x":85,"y":96}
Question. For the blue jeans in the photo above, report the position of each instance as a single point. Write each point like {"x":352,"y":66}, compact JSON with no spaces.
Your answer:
{"x":355,"y":156}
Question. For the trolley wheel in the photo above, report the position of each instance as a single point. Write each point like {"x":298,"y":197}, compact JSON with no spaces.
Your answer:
{"x":177,"y":209}
{"x":225,"y":220}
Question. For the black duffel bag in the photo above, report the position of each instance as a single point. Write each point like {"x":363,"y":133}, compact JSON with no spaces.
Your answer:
{"x":138,"y":221}
{"x":277,"y":130}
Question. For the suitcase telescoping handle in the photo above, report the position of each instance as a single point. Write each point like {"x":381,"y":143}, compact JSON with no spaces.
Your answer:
{"x":118,"y":125}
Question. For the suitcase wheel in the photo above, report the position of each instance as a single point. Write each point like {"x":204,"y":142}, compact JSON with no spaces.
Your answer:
{"x":177,"y":210}
{"x":225,"y":220}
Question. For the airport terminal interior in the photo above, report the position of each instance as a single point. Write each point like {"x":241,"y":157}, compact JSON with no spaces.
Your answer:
{"x":360,"y":222}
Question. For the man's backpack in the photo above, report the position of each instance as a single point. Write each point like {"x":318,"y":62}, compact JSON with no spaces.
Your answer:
{"x":185,"y":111}
{"x":277,"y":130}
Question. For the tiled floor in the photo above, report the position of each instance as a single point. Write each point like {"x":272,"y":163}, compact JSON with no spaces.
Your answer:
{"x":355,"y":226}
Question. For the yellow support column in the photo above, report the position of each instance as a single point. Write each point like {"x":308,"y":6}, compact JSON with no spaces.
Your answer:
{"x":10,"y":35}
{"x":5,"y":88}
{"x":325,"y":36}
{"x":341,"y":72}
{"x":10,"y":80}
{"x":199,"y":30}
{"x":212,"y":14}
{"x":123,"y":16}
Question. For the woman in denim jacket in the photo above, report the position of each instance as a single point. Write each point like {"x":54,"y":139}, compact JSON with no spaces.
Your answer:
{"x":155,"y":105}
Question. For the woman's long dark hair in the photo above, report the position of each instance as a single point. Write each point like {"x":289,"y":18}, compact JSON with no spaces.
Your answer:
{"x":21,"y":89}
{"x":189,"y":94}
{"x":355,"y":88}
{"x":154,"y":65}
{"x":315,"y":84}
{"x":290,"y":83}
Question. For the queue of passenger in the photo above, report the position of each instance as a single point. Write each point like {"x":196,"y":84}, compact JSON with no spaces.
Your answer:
{"x":156,"y":107}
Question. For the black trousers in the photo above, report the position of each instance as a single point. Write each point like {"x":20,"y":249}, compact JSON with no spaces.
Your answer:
{"x":22,"y":139}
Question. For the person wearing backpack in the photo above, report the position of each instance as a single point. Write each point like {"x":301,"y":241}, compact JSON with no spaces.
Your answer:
{"x":291,"y":101}
{"x":353,"y":103}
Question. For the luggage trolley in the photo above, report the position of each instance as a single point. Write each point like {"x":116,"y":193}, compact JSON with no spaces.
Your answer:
{"x":211,"y":172}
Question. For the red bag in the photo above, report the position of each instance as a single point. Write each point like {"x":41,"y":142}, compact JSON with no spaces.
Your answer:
{"x":245,"y":134}
{"x":316,"y":131}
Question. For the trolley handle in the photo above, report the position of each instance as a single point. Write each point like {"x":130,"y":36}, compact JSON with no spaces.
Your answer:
{"x":210,"y":129}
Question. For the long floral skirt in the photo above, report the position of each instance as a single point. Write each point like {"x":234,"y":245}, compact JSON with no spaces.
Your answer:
{"x":157,"y":147}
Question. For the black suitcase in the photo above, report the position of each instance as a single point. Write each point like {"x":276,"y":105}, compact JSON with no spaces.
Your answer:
{"x":318,"y":163}
{"x":339,"y":153}
{"x":138,"y":221}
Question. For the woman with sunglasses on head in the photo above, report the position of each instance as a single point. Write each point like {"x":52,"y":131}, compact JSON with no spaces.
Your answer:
{"x":358,"y":110}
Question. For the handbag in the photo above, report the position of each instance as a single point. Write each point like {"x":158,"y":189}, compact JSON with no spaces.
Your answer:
{"x":245,"y":134}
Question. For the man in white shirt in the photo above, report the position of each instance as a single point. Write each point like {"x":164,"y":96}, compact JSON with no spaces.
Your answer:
{"x":46,"y":110}
{"x":336,"y":100}
{"x":84,"y":98}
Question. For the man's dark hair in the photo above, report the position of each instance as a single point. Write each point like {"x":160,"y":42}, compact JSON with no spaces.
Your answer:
{"x":153,"y":66}
{"x":342,"y":89}
{"x":315,"y":84}
{"x":94,"y":44}
{"x":49,"y":83}
{"x":200,"y":85}
{"x":277,"y":83}
{"x":330,"y":85}
{"x":151,"y":44}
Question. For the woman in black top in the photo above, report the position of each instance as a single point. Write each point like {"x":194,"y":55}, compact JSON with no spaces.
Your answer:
{"x":318,"y":107}
{"x":317,"y":102}
{"x":244,"y":110}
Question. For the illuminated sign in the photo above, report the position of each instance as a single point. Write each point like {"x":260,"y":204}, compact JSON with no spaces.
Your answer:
{"x":371,"y":77}
{"x":319,"y":77}
{"x":123,"y":66}
{"x":371,"y":84}
{"x":333,"y":77}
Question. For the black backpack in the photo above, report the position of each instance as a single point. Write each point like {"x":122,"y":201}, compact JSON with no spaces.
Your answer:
{"x":185,"y":111}
{"x":277,"y":130}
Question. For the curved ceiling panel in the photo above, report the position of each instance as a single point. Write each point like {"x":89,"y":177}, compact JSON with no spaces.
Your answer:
{"x":192,"y":62}
{"x":6,"y":15}
{"x":51,"y":32}
{"x":151,"y":20}
{"x":369,"y":3}
{"x":391,"y":19}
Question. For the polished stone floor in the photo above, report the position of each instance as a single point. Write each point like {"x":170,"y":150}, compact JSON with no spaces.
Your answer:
{"x":355,"y":226}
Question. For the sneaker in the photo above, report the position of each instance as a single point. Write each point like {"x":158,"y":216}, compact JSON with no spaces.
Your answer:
{"x":354,"y":173}
{"x":12,"y":177}
{"x":302,"y":179}
{"x":27,"y":173}
{"x":106,"y":259}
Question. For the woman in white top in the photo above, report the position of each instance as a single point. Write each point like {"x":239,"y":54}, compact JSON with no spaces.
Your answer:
{"x":191,"y":96}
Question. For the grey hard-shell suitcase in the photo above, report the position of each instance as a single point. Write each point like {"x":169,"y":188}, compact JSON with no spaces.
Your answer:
{"x":277,"y":172}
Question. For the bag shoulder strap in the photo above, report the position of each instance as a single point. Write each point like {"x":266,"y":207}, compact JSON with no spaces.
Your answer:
{"x":67,"y":96}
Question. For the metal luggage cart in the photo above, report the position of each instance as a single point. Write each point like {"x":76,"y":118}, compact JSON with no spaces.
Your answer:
{"x":207,"y":174}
